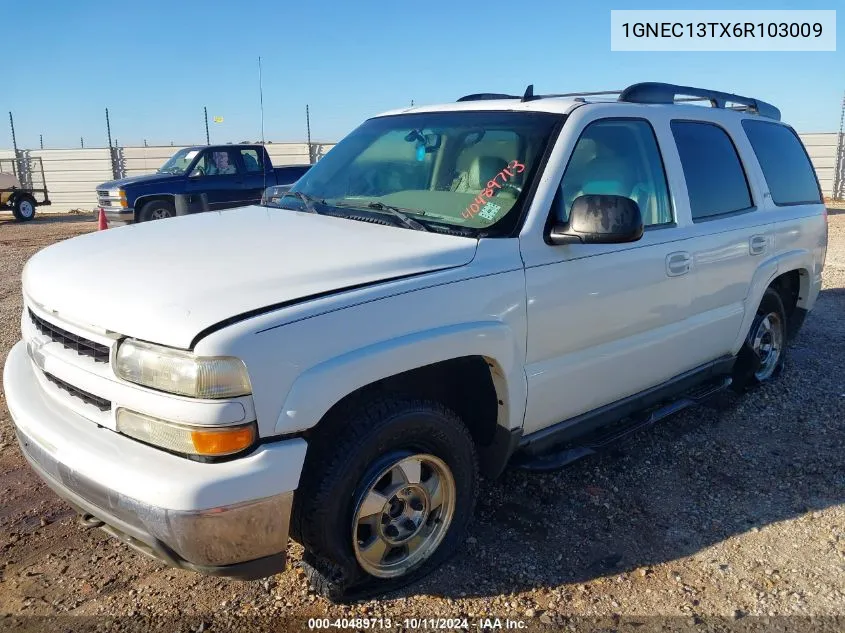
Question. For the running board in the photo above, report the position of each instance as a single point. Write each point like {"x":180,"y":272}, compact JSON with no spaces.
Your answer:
{"x":598,"y":441}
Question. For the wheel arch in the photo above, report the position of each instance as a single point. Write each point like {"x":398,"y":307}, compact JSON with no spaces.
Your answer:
{"x":789,"y":274}
{"x":479,"y":378}
{"x":142,"y":201}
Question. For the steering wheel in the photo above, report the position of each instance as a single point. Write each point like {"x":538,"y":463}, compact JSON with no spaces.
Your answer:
{"x":509,"y":186}
{"x":368,"y":184}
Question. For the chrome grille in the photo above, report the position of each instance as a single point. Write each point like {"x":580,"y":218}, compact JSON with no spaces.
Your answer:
{"x":88,"y":398}
{"x":82,"y":346}
{"x":103,"y":198}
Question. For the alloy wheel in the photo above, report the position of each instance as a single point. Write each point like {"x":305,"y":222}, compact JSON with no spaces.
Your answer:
{"x":403,"y":515}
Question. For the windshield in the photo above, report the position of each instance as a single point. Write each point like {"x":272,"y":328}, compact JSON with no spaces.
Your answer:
{"x":178,"y":163}
{"x":461,"y":169}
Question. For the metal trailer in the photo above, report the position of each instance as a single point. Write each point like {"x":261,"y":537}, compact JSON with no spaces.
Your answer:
{"x":22,"y":186}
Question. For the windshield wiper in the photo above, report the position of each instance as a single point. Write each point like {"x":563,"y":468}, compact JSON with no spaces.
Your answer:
{"x":396,"y":212}
{"x":307,"y":201}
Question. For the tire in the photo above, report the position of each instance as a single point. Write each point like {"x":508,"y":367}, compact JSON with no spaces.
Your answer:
{"x":23,"y":207}
{"x":762,"y":355}
{"x":157,"y":210}
{"x":364,"y":510}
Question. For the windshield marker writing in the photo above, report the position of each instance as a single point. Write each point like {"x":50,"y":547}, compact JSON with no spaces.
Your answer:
{"x":481,"y":199}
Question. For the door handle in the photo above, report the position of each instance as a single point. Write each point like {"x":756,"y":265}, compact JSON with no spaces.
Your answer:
{"x":678,"y":263}
{"x":757,"y":244}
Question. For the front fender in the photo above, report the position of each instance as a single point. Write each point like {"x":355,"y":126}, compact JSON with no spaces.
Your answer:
{"x":142,"y":198}
{"x":319,"y":388}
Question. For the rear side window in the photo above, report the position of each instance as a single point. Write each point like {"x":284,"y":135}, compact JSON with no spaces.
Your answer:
{"x":785,"y":164}
{"x":252,"y":161}
{"x":715,"y":179}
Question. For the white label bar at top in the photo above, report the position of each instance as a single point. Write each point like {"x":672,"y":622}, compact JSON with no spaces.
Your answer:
{"x":728,"y":30}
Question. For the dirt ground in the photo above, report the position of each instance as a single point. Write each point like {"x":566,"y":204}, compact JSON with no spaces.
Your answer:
{"x":717,"y":517}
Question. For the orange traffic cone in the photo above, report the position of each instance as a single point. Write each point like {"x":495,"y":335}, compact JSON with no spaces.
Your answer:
{"x":102,"y":225}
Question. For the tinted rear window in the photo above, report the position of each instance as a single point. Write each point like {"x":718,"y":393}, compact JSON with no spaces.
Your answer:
{"x":715,"y":179}
{"x":786,"y":167}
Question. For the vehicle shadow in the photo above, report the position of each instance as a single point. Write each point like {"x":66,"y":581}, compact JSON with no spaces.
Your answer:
{"x":835,"y":211}
{"x":730,"y":466}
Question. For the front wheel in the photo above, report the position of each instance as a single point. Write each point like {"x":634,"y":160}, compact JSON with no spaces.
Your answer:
{"x":157,"y":210}
{"x":762,"y":355}
{"x":402,"y":513}
{"x":386,"y":496}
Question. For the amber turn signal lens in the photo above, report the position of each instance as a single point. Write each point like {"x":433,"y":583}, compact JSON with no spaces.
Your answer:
{"x":187,"y":439}
{"x":223,"y":441}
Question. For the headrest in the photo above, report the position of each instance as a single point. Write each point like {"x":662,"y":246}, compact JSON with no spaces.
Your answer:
{"x":608,"y":175}
{"x":483,"y":169}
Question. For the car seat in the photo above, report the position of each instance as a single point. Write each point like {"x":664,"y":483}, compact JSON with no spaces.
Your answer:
{"x":250,"y":163}
{"x":481,"y":170}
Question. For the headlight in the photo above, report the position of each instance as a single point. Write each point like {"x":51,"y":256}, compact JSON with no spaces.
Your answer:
{"x":185,"y":438}
{"x":120,"y":195}
{"x":182,"y":373}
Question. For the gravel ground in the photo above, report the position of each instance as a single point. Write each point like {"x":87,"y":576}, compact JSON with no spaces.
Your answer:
{"x":714,"y":518}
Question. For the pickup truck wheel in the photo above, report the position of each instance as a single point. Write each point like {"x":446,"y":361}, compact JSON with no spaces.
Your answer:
{"x":386,"y":496}
{"x":23,"y":208}
{"x":762,"y":355}
{"x":157,"y":210}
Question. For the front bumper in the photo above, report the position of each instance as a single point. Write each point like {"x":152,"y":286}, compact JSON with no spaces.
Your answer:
{"x":229,"y":519}
{"x":202,"y":535}
{"x":117,"y":216}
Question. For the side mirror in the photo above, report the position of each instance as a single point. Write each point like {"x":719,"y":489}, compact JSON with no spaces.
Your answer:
{"x":274,"y":193}
{"x":600,"y":219}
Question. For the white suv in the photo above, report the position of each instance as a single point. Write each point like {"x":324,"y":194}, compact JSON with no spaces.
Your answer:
{"x":452,"y":288}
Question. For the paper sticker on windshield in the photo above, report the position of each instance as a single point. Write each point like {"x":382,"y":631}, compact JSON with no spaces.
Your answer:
{"x":482,"y":206}
{"x":191,"y":154}
{"x":489,"y":211}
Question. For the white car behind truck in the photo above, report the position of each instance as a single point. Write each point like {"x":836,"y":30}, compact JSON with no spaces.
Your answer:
{"x":505,"y":279}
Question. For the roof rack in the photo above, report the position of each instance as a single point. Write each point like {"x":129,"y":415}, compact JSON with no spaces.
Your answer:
{"x":651,"y":92}
{"x":487,"y":96}
{"x":529,"y":95}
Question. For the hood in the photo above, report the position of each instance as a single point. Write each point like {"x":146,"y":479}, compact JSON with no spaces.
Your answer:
{"x":167,"y":281}
{"x":146,"y":179}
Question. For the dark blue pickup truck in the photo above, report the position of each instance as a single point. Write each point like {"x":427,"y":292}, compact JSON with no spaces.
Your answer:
{"x":204,"y":178}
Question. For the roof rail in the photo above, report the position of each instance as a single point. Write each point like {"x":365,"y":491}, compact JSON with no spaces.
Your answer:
{"x":651,"y":92}
{"x":654,"y":92}
{"x":580,"y":94}
{"x":486,"y":96}
{"x":529,"y":95}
